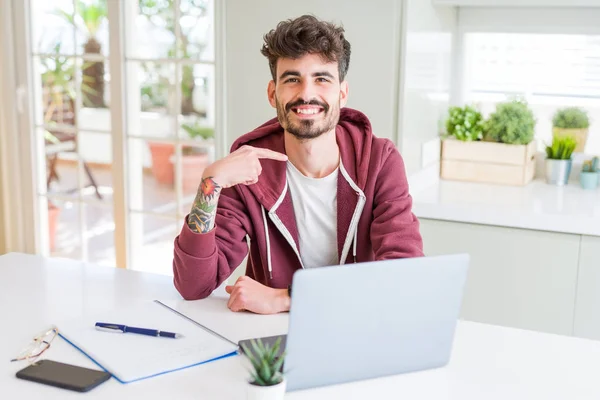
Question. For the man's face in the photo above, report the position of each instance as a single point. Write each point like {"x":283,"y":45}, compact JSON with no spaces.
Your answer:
{"x":308,"y":95}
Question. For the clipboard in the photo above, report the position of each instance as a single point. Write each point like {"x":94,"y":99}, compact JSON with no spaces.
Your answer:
{"x":130,"y":357}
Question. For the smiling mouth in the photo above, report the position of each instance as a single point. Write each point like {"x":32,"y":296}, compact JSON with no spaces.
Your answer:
{"x":307,"y":111}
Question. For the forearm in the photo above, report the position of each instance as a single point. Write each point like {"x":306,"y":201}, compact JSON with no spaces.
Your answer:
{"x":204,"y":210}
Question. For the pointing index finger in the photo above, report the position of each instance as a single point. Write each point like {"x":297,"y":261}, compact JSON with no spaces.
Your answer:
{"x":273,"y":155}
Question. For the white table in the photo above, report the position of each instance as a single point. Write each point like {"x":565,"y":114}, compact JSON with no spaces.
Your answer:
{"x":488,"y":361}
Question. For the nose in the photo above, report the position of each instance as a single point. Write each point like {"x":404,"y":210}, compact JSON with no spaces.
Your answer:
{"x":307,"y":91}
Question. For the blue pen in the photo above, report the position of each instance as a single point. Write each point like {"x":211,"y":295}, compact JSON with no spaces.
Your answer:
{"x":117,"y":328}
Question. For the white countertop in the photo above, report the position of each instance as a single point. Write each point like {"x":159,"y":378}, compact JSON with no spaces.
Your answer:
{"x":537,"y":206}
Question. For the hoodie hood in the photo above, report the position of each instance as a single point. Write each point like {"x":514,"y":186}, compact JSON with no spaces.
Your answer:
{"x":354,"y":137}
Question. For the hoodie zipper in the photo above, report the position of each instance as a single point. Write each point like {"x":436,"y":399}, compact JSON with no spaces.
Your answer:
{"x":355,"y":216}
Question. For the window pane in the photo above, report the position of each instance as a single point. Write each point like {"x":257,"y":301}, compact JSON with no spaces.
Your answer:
{"x":152,"y":34}
{"x":198,"y":93}
{"x":62,"y":167}
{"x":152,"y":243}
{"x":55,"y":103}
{"x":197,"y":30}
{"x":52,"y":26}
{"x":152,"y":113}
{"x":100,"y":229}
{"x":91,"y":22}
{"x":152,"y":176}
{"x":549,"y":71}
{"x":95,"y":153}
{"x":64,"y":229}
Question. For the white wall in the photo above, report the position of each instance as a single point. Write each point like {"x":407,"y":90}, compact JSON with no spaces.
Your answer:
{"x":426,"y":72}
{"x":372,"y":28}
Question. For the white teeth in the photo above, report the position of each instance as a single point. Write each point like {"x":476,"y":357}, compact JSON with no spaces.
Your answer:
{"x":307,"y":111}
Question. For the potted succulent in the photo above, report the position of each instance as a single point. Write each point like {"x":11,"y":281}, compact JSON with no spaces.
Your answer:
{"x":267,"y":381}
{"x":574,"y":122}
{"x":558,"y":160}
{"x":590,"y":174}
{"x":500,"y":150}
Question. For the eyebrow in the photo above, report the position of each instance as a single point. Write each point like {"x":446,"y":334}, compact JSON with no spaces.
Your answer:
{"x":314,"y":74}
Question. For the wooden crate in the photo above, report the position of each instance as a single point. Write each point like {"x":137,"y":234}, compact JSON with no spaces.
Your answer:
{"x":488,"y":162}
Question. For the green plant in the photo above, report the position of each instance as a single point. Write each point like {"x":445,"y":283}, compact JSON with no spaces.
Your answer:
{"x":266,"y":363}
{"x":511,"y":123}
{"x":465,"y":123}
{"x":571,"y":118}
{"x":87,"y":19}
{"x":196,"y":130}
{"x":161,"y":14}
{"x":562,"y":148}
{"x":58,"y":80}
{"x":590,"y":165}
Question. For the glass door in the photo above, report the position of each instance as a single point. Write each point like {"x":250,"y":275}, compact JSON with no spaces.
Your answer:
{"x":170,"y":114}
{"x":144,"y":170}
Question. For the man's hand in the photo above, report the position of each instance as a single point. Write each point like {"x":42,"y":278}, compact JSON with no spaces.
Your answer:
{"x":247,"y":294}
{"x":241,"y":167}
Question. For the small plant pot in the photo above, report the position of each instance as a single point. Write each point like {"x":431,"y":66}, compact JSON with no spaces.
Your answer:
{"x":193,"y":166}
{"x":558,"y":171}
{"x":53,"y":213}
{"x":162,"y":168}
{"x":275,"y":392}
{"x":589,"y":180}
{"x":580,"y":135}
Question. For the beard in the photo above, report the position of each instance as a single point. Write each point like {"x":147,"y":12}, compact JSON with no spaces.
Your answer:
{"x":306,"y":129}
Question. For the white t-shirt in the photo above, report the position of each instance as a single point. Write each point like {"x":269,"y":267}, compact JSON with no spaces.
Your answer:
{"x":315,"y":208}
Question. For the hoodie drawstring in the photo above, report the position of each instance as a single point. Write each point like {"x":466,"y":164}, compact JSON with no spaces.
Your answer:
{"x":354,"y":246}
{"x":268,"y":243}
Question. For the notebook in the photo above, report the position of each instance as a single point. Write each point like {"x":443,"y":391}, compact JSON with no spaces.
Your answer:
{"x":132,"y":357}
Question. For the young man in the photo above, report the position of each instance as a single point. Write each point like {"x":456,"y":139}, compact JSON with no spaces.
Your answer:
{"x":311,"y":188}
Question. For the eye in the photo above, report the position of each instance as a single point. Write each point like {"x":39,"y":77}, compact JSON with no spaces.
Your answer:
{"x":291,"y":80}
{"x":322,"y":79}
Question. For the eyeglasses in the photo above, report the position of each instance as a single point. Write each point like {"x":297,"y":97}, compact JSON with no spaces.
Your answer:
{"x":40,"y":344}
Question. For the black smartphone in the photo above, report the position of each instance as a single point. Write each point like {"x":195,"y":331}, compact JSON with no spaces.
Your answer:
{"x":63,"y":375}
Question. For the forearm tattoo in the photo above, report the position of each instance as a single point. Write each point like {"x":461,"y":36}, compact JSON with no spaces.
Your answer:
{"x":204,"y":209}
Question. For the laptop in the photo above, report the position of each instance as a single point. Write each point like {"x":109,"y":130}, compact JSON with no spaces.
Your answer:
{"x":367,"y":320}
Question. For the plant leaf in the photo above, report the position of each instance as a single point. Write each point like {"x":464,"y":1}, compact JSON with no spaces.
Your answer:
{"x":265,"y":371}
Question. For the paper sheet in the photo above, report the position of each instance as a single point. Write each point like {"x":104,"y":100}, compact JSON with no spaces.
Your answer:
{"x":130,"y":356}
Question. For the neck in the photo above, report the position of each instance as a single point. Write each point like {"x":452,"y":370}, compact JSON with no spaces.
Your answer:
{"x":314,"y":158}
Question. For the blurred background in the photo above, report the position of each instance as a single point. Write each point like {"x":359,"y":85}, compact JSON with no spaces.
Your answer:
{"x":111,"y":109}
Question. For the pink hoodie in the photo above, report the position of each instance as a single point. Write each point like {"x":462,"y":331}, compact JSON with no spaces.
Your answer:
{"x":375,"y":219}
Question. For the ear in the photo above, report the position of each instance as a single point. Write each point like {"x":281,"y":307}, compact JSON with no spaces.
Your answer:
{"x":271,"y":93}
{"x":343,"y":93}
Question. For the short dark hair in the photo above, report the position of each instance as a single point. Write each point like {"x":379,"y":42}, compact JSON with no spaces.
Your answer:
{"x":295,"y":38}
